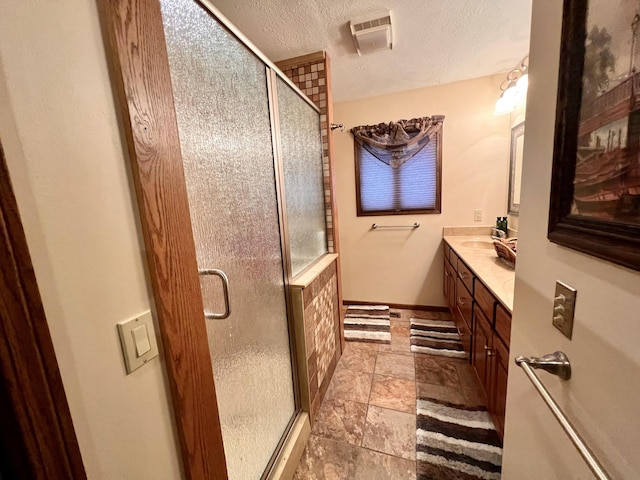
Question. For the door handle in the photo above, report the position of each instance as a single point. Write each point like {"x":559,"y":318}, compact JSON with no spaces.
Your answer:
{"x":225,"y":292}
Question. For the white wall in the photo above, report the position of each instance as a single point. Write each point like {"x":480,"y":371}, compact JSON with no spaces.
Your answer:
{"x":59,"y":128}
{"x":602,"y":397}
{"x":405,"y":266}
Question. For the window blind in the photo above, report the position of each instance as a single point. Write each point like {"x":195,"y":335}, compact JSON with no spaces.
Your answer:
{"x":411,"y":186}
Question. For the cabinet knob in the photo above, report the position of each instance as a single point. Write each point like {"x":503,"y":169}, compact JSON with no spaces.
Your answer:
{"x":461,"y":301}
{"x":489,"y":351}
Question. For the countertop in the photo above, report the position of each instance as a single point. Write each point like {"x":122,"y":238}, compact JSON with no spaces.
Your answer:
{"x":494,"y":272}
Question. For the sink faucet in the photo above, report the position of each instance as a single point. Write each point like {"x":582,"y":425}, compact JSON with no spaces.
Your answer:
{"x":498,"y":234}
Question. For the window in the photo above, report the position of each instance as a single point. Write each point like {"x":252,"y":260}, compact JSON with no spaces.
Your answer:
{"x":398,"y":180}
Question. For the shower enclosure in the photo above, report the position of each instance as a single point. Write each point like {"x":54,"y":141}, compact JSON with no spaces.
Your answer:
{"x":227,"y":160}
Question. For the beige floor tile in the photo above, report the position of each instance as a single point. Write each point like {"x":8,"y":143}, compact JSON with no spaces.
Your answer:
{"x":359,"y":356}
{"x":362,"y":346}
{"x":401,"y":345}
{"x":350,"y":385}
{"x":325,"y":459}
{"x":395,"y":365}
{"x":391,"y":432}
{"x":400,"y":328}
{"x":393,"y":393}
{"x":341,"y":420}
{"x":370,"y":465}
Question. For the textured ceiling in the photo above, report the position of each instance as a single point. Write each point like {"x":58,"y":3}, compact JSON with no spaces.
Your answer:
{"x":434,"y":41}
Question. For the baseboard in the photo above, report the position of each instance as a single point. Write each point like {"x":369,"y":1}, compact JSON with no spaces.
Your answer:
{"x":400,"y":306}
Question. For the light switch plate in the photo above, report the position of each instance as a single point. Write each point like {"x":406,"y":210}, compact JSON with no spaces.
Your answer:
{"x":564,"y":305}
{"x":477,"y":215}
{"x":128,"y":341}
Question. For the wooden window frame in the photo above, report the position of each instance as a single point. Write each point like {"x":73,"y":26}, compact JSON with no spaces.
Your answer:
{"x":378,"y":213}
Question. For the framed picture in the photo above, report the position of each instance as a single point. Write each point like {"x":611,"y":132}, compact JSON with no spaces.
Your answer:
{"x":515,"y":168}
{"x":595,"y":186}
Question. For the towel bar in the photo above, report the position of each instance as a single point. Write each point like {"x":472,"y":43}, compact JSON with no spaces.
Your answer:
{"x":375,"y":226}
{"x":558,"y":364}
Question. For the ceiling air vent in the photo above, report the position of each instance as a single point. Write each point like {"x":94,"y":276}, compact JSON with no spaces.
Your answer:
{"x":372,"y":32}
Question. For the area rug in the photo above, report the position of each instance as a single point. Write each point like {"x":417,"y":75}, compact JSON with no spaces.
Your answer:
{"x":436,"y":337}
{"x":366,"y":323}
{"x":455,"y":442}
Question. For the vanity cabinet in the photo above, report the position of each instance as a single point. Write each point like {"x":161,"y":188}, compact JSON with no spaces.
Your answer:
{"x":459,"y":299}
{"x":464,"y":314}
{"x":484,"y":325}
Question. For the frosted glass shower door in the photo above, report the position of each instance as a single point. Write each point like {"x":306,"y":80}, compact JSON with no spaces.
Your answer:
{"x":301,"y":143}
{"x":221,"y":102}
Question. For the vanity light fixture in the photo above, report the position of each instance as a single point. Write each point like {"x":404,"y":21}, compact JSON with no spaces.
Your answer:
{"x":514,"y":88}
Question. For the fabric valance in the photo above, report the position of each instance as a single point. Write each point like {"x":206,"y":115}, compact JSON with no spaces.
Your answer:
{"x":394,"y":143}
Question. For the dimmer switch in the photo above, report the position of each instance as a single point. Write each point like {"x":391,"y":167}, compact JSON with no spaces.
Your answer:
{"x":564,"y":304}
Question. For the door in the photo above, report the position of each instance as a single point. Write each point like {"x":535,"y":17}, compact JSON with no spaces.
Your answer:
{"x":197,"y":119}
{"x":222,"y":107}
{"x":601,"y":399}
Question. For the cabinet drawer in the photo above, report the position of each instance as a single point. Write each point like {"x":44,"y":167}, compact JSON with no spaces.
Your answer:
{"x":453,"y":258}
{"x":485,"y":299}
{"x":503,"y":323}
{"x":465,"y":274}
{"x":447,"y":249}
{"x":464,"y":302}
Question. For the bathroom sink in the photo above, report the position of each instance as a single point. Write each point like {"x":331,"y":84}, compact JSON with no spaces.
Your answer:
{"x":477,"y":244}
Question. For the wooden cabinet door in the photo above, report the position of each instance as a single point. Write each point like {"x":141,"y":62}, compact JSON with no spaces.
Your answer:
{"x":500,"y":369}
{"x":452,"y":287}
{"x":482,"y":340}
{"x":465,"y":335}
{"x":445,"y":279}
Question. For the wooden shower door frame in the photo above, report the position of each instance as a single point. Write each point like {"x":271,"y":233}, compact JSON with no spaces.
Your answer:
{"x":137,"y":55}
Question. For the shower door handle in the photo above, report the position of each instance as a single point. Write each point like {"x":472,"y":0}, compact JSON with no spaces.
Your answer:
{"x":225,"y":292}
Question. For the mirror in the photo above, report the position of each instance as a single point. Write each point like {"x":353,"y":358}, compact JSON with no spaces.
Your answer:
{"x":515,"y":168}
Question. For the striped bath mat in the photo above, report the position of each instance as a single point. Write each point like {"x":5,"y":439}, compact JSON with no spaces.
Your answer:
{"x":436,"y":337}
{"x":364,"y":323}
{"x":456,"y":442}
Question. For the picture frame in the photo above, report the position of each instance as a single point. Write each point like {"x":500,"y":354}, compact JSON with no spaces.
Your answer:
{"x":515,"y":168}
{"x":595,"y":184}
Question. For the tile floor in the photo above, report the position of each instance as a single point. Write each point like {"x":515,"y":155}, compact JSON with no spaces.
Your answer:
{"x":366,"y":427}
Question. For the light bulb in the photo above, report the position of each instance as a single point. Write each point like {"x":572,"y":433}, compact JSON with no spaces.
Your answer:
{"x":505,"y":103}
{"x":521,"y":88}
